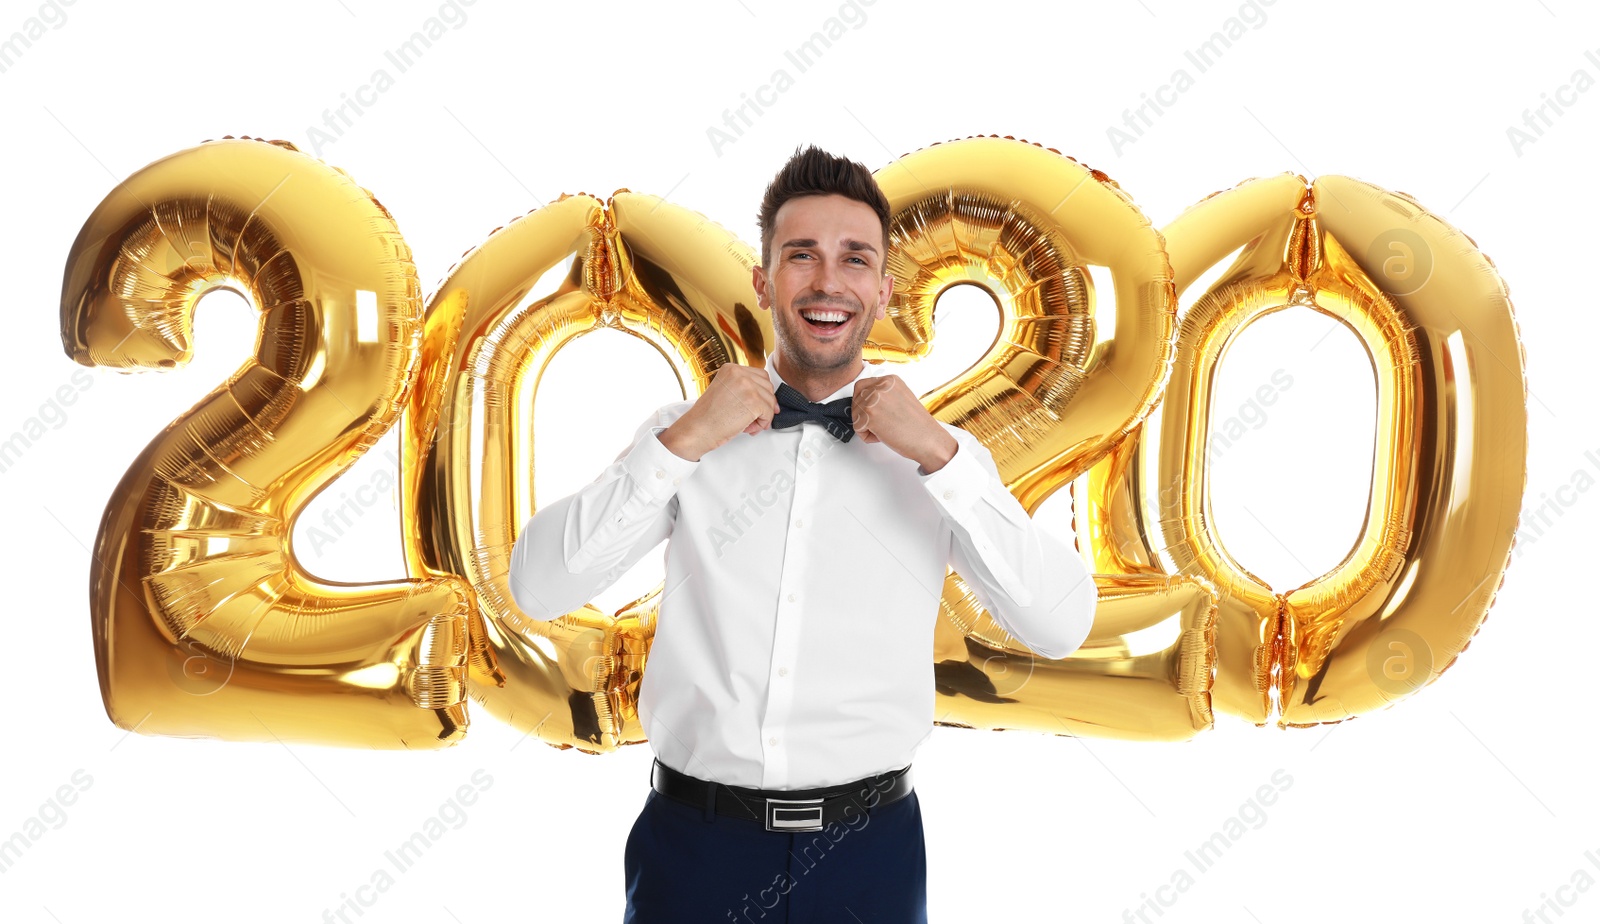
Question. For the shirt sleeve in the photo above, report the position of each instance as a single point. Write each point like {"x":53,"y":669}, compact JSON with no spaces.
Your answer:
{"x":1034,"y":585}
{"x":571,"y":550}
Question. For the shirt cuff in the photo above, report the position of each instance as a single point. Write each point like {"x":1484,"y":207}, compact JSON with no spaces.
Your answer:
{"x":656,"y":469}
{"x":959,"y":484}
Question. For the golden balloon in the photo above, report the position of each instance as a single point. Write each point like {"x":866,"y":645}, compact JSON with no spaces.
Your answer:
{"x":204,"y":623}
{"x":1072,"y":371}
{"x":639,"y":265}
{"x":1449,"y":463}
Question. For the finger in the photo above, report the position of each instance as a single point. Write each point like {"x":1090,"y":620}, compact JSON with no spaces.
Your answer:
{"x":758,"y":411}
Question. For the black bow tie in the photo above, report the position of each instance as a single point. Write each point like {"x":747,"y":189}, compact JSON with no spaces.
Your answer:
{"x":835,"y":414}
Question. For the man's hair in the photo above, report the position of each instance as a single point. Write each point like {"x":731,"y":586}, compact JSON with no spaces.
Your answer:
{"x":815,"y":172}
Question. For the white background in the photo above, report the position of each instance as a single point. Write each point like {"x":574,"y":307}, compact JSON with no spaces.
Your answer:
{"x":1470,"y":801}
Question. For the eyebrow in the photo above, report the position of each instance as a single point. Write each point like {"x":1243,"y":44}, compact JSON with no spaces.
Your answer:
{"x":811,"y":242}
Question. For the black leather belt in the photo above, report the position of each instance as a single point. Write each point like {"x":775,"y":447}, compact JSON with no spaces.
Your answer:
{"x":785,"y":809}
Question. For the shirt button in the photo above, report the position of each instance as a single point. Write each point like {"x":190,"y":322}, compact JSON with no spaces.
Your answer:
{"x":806,"y":453}
{"x":660,"y":473}
{"x":949,"y":494}
{"x":677,"y":480}
{"x":772,"y":741}
{"x":791,"y":598}
{"x":799,"y":522}
{"x":783,"y":672}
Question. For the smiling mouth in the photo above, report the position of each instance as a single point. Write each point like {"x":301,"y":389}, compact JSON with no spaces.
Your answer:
{"x":824,"y":320}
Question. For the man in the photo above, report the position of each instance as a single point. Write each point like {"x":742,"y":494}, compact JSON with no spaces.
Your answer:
{"x":790,"y":679}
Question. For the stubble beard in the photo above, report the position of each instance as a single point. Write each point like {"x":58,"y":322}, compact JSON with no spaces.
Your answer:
{"x":821,"y":358}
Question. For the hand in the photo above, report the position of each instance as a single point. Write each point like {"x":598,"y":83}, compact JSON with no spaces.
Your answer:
{"x":740,"y":399}
{"x":884,"y":410}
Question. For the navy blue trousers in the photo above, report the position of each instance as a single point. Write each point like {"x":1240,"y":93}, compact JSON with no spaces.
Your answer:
{"x":685,"y":865}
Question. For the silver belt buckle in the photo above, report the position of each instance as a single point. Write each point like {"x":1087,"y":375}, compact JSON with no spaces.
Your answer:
{"x":794,"y":814}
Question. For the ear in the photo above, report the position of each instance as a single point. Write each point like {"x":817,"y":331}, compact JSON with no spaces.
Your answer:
{"x":758,"y":281}
{"x":884,"y":289}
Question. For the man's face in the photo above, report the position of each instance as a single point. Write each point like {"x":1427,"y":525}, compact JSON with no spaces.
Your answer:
{"x":825,"y":263}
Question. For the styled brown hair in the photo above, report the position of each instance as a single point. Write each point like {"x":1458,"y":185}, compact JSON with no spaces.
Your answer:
{"x":815,"y":172}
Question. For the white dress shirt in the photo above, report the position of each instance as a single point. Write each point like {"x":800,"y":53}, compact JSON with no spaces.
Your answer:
{"x":794,"y":644}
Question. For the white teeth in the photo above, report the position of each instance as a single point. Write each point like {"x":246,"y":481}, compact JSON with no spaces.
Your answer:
{"x":825,"y":315}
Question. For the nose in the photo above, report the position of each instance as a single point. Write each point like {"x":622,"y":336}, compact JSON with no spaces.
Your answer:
{"x":828,"y":279}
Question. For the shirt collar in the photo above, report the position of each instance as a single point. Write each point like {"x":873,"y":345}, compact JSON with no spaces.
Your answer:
{"x":867,"y":371}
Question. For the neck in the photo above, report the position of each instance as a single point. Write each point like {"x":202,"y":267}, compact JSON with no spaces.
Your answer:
{"x":815,"y":383}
